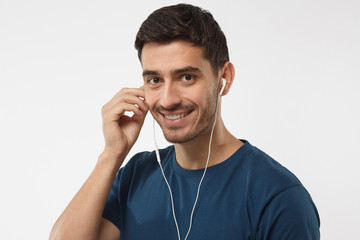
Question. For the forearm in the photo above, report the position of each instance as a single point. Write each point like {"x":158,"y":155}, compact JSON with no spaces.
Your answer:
{"x":82,"y":217}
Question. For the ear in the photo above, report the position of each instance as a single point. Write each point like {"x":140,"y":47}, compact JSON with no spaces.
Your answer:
{"x":228,"y":73}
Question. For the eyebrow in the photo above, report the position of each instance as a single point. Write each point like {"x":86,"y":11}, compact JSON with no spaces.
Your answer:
{"x":177,"y":71}
{"x":187,"y":69}
{"x":149,"y":72}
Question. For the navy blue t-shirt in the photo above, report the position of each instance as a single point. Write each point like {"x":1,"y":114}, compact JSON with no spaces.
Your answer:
{"x":248,"y":196}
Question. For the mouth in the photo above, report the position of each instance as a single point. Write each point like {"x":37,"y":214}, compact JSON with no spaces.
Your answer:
{"x":176,"y":116}
{"x":173,"y":117}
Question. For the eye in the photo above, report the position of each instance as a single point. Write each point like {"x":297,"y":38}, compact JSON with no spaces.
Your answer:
{"x":187,"y":78}
{"x":153,"y":80}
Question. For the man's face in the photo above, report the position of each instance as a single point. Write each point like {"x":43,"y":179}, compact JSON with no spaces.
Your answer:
{"x":180,"y":89}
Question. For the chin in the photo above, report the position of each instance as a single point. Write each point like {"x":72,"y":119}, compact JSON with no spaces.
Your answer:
{"x":177,"y":137}
{"x":174,"y":138}
{"x":177,"y":140}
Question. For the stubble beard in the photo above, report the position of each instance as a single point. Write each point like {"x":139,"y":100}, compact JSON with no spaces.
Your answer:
{"x":199,"y":128}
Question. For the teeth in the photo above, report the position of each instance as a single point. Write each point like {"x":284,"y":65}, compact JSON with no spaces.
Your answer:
{"x":174,"y":117}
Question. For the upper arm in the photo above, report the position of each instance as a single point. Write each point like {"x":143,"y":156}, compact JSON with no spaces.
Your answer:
{"x":108,"y":231}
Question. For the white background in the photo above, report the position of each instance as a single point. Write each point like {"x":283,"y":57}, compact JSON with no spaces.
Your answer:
{"x":295,"y":96}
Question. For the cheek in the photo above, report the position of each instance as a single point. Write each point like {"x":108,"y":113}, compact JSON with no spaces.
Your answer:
{"x":149,"y":100}
{"x":201,"y":97}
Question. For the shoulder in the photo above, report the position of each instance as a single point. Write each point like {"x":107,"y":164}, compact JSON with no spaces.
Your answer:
{"x":146,"y":157}
{"x":266,"y":179}
{"x":144,"y":162}
{"x":275,"y":194}
{"x":264,"y":172}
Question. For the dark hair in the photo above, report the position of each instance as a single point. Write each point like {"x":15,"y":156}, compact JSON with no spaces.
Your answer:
{"x":188,"y":23}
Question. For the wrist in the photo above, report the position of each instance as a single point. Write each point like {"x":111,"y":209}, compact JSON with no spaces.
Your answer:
{"x":110,"y":159}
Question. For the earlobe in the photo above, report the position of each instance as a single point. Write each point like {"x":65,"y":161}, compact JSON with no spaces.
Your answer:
{"x":222,"y":86}
{"x":228,"y":73}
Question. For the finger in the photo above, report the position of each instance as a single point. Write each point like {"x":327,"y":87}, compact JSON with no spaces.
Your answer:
{"x":132,"y":96}
{"x":112,"y":112}
{"x":137,"y":101}
{"x":140,"y":117}
{"x":126,"y":107}
{"x":129,"y":100}
{"x":139,"y":92}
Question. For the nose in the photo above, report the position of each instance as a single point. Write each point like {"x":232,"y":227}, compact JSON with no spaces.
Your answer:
{"x":170,"y":95}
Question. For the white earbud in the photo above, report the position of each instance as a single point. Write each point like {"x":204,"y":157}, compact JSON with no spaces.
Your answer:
{"x":223,"y":86}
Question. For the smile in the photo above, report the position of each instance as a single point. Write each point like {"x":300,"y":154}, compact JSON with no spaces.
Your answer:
{"x":176,"y":116}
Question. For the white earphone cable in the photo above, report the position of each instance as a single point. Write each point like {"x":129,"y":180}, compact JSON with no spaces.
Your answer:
{"x":167,"y":183}
{"x":202,"y":178}
{"x":205,"y":170}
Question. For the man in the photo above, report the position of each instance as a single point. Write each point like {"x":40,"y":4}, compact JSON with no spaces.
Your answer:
{"x":211,"y":185}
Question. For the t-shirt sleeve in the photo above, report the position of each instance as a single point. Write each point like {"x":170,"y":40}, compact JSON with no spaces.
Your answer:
{"x":291,"y":214}
{"x":112,"y":207}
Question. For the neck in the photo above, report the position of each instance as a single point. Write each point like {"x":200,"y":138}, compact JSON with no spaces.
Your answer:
{"x":193,"y":154}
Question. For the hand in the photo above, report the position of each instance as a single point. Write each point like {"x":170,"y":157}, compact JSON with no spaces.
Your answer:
{"x":121,"y":131}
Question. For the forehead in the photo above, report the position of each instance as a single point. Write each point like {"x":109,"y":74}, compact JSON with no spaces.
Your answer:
{"x":174,"y":55}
